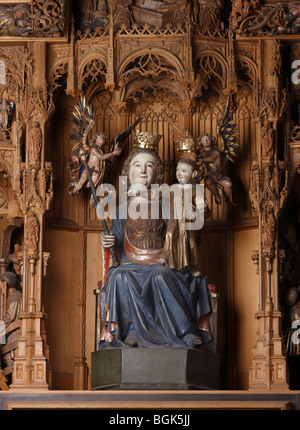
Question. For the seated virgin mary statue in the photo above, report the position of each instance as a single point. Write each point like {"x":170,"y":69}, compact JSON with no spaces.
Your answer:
{"x":145,"y":303}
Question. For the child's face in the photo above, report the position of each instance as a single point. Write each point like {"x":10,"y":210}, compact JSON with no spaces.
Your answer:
{"x":184,"y":173}
{"x":206,"y":142}
{"x":101,"y":139}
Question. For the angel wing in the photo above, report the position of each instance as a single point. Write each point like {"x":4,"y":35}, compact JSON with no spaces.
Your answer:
{"x":226,"y":130}
{"x":83,"y":122}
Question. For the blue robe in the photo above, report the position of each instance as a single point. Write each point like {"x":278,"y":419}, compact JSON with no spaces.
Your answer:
{"x":152,"y":305}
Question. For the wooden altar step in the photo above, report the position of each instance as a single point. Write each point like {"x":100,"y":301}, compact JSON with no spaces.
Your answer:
{"x":111,"y":401}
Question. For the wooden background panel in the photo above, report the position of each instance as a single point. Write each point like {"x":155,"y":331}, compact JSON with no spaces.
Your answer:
{"x":240,"y":170}
{"x":93,"y":275}
{"x":61,"y":301}
{"x":213,"y":263}
{"x":246,"y":297}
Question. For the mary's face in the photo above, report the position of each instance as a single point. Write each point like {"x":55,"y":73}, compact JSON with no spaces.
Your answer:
{"x":142,"y":170}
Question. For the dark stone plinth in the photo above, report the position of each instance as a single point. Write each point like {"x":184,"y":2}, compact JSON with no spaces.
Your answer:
{"x":154,"y":368}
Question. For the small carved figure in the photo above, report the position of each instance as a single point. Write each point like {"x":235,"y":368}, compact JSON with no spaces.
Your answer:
{"x":94,"y":13}
{"x":268,"y":226}
{"x":35,"y":141}
{"x":180,"y":249}
{"x":31,"y":232}
{"x":6,"y":112}
{"x":96,"y":157}
{"x":267,"y":137}
{"x":210,"y":158}
{"x":207,"y":14}
{"x":87,"y":165}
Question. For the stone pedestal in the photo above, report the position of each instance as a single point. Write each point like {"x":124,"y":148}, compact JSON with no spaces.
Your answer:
{"x":154,"y":368}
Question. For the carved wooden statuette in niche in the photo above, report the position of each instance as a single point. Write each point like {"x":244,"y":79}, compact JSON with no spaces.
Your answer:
{"x":268,"y":227}
{"x":94,"y":14}
{"x":6,"y":113}
{"x":207,"y":14}
{"x":35,"y":142}
{"x":31,"y":232}
{"x":267,"y":139}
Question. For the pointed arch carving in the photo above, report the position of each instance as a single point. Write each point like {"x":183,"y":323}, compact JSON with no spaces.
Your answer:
{"x":6,"y":167}
{"x":211,"y":64}
{"x":248,"y":68}
{"x":92,"y":68}
{"x":57,"y":70}
{"x":148,"y":68}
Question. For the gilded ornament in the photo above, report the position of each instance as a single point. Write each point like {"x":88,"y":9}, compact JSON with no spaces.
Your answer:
{"x":146,"y":140}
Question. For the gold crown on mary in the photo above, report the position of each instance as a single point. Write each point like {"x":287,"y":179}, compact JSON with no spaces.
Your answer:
{"x":146,"y":140}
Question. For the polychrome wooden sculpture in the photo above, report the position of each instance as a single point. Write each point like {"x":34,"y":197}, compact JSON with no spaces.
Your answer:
{"x":145,"y":303}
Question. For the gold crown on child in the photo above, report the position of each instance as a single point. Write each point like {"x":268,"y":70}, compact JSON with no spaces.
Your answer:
{"x":186,"y":144}
{"x":146,"y":140}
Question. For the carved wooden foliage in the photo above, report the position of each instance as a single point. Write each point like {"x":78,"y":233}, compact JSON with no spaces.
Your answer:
{"x":253,"y":18}
{"x":40,"y":18}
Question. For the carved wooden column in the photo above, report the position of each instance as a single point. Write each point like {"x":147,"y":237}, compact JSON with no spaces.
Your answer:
{"x":122,"y":114}
{"x":80,"y":368}
{"x":35,"y":195}
{"x":268,"y":369}
{"x":187,"y":108}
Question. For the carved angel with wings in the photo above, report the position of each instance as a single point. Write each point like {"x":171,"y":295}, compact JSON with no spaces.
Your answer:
{"x":209,"y":158}
{"x":87,"y":165}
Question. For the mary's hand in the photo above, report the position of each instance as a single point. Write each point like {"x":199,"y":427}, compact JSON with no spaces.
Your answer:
{"x":107,"y":240}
